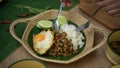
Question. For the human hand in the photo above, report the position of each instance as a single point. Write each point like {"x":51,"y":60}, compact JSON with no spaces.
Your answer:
{"x":69,"y":2}
{"x":66,"y":3}
{"x":87,"y":1}
{"x":112,"y":7}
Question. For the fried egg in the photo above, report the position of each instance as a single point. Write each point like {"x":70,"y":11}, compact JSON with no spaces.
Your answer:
{"x":43,"y":41}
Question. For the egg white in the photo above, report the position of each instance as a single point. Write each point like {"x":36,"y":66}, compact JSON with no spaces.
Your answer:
{"x":43,"y":46}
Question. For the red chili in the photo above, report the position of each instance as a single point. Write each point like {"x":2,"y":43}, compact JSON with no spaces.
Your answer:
{"x":22,"y":15}
{"x":6,"y":22}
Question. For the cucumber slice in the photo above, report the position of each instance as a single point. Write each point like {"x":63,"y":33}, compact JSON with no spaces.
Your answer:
{"x":62,"y":20}
{"x":44,"y":24}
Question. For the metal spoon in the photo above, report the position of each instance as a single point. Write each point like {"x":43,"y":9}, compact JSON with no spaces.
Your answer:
{"x":55,"y":22}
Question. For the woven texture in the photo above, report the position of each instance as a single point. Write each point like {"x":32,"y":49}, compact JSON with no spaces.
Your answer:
{"x":71,"y":16}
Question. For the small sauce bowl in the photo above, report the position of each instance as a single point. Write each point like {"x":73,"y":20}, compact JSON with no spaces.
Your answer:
{"x":27,"y":63}
{"x":113,"y":47}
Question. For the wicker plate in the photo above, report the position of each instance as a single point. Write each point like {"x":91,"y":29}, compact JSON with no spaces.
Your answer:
{"x":50,"y":14}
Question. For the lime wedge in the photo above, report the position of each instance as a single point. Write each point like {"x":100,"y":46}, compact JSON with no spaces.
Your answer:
{"x":45,"y":24}
{"x":62,"y":20}
{"x":116,"y":66}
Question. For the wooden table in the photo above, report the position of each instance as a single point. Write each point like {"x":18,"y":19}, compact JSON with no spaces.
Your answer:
{"x":96,"y":59}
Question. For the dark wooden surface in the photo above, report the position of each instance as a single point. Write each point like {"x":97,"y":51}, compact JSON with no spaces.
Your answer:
{"x":103,"y":18}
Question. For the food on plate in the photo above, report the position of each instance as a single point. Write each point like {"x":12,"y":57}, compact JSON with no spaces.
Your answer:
{"x":44,"y":24}
{"x":43,"y":41}
{"x":62,"y":20}
{"x":75,"y":36}
{"x":65,"y":42}
{"x":62,"y":46}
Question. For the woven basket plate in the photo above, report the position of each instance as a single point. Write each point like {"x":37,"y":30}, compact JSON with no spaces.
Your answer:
{"x":51,"y":14}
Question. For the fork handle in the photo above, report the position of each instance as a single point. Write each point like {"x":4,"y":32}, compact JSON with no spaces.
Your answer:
{"x":84,"y":26}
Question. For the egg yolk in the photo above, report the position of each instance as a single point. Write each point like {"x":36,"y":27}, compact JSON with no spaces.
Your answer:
{"x":40,"y":37}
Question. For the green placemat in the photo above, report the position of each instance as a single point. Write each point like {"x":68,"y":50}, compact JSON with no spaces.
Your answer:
{"x":8,"y":12}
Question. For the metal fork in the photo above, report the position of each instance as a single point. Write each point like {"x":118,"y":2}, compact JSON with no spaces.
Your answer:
{"x":55,"y":22}
{"x":84,"y":26}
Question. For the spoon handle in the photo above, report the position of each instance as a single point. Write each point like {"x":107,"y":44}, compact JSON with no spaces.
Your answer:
{"x":55,"y":22}
{"x":60,"y":9}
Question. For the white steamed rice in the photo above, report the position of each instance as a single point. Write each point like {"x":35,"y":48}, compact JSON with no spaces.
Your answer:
{"x":75,"y":36}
